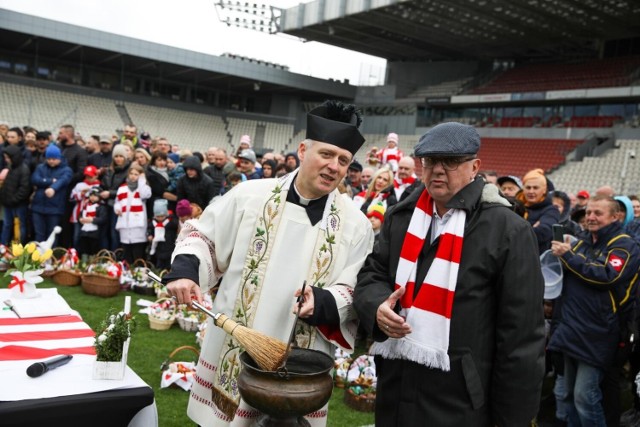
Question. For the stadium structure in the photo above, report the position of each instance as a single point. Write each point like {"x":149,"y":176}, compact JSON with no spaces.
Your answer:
{"x":553,"y":84}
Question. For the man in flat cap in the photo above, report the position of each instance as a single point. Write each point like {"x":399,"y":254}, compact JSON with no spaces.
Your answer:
{"x":452,"y":295}
{"x":265,"y":238}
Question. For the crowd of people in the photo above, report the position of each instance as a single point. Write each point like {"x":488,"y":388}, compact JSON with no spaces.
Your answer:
{"x":442,"y":271}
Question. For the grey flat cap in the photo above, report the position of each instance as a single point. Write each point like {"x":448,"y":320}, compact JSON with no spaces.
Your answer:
{"x":448,"y":139}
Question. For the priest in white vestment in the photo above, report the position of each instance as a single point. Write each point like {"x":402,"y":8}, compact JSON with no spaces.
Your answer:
{"x":264,"y":239}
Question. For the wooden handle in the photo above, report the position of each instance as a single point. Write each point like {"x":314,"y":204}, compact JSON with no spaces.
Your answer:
{"x":228,"y":325}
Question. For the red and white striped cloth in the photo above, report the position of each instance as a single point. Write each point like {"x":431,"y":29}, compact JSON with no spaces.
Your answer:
{"x":429,"y":313}
{"x":42,"y":337}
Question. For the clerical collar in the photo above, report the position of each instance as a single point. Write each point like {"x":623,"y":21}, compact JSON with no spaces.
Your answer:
{"x":313,"y":207}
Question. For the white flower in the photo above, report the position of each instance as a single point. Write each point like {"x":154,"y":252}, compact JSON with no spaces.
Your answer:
{"x":111,"y":326}
{"x":102,"y":338}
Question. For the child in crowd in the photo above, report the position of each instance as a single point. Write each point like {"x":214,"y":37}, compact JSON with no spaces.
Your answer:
{"x":184,"y":212}
{"x":132,"y":214}
{"x":80,"y":196}
{"x":93,"y":215}
{"x":52,"y":180}
{"x":162,"y":233}
{"x":376,"y":217}
{"x":175,"y":171}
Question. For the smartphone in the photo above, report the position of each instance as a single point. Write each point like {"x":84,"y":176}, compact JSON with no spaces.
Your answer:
{"x":558,"y":232}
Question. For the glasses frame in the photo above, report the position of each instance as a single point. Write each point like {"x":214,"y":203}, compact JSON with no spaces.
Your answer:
{"x":448,"y":163}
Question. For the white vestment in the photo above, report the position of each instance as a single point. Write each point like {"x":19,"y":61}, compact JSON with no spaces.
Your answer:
{"x":221,"y":239}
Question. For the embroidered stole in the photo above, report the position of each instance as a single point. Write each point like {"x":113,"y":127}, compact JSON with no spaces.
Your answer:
{"x":429,"y":313}
{"x":225,"y":392}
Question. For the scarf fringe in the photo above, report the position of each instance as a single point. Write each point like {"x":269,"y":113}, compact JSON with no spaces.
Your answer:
{"x":411,"y":350}
{"x":226,"y":405}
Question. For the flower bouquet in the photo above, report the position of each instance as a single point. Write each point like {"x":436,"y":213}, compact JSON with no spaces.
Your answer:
{"x":112,"y":344}
{"x":25,"y":269}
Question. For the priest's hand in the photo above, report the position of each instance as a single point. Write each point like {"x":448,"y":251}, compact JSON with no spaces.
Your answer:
{"x":306,"y":310}
{"x":185,"y":290}
{"x":389,"y":322}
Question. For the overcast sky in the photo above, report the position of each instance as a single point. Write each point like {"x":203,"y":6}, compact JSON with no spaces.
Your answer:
{"x":195,"y":25}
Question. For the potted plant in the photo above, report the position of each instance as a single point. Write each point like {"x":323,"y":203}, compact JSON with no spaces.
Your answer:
{"x":25,"y":269}
{"x":112,"y":344}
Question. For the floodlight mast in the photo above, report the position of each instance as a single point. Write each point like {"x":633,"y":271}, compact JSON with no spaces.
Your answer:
{"x":249,"y":15}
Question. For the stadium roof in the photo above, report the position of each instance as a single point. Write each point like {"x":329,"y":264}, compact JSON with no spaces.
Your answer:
{"x":32,"y":36}
{"x":465,"y":29}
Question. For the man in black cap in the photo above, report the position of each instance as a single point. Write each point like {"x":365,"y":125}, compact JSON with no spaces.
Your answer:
{"x":265,"y":238}
{"x":354,"y":179}
{"x":452,"y":295}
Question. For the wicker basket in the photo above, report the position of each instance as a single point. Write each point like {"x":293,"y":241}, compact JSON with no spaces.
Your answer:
{"x":189,"y":324}
{"x":169,"y":359}
{"x":100,"y":284}
{"x":359,"y":403}
{"x":163,"y":324}
{"x":65,"y":277}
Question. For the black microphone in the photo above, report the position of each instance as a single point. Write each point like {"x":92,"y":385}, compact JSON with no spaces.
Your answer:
{"x":40,"y":368}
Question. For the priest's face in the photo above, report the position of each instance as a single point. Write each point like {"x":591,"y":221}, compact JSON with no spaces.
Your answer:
{"x":322,"y":167}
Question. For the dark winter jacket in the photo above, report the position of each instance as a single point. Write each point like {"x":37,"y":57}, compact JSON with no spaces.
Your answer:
{"x":199,"y":190}
{"x":100,"y":159}
{"x":496,"y":338}
{"x":598,"y":279}
{"x":217,"y":176}
{"x":570,"y":226}
{"x":101,"y":218}
{"x":542,"y":216}
{"x":16,"y":189}
{"x":165,"y":249}
{"x":159,"y":185}
{"x":76,"y":159}
{"x":58,"y":178}
{"x":112,"y":180}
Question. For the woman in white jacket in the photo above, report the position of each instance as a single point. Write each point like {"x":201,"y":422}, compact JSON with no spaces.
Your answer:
{"x":131,"y":210}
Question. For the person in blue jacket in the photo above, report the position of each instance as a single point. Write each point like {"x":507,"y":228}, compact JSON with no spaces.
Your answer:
{"x":600,"y":271}
{"x":51,"y":179}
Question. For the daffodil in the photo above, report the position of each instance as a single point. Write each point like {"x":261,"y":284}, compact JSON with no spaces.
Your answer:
{"x":30,"y":247}
{"x":35,"y":256}
{"x":16,"y":249}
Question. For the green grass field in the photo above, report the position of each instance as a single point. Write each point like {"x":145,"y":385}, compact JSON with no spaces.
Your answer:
{"x":149,"y":348}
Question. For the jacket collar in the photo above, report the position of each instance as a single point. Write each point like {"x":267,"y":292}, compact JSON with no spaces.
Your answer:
{"x":468,"y":198}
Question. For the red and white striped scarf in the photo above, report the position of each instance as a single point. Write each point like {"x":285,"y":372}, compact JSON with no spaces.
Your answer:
{"x":429,"y":312}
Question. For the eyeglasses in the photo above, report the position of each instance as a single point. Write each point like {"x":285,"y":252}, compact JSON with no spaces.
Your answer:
{"x":448,"y":163}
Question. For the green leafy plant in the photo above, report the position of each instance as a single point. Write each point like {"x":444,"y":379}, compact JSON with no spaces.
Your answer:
{"x":116,"y":329}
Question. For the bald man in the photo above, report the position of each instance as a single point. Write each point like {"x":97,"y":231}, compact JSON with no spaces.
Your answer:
{"x":405,"y":176}
{"x":606,"y":190}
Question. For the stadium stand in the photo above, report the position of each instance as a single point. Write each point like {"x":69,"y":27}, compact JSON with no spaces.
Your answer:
{"x":611,"y":72}
{"x":616,"y":167}
{"x":444,"y":89}
{"x":515,"y":156}
{"x":50,"y":109}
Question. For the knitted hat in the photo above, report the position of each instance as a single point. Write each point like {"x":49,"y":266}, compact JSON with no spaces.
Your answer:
{"x":393,"y":137}
{"x":247,"y":155}
{"x":160,"y":207}
{"x":175,"y":157}
{"x":535,"y":174}
{"x":245,"y":139}
{"x":183,"y":208}
{"x":119,"y":150}
{"x":510,"y":178}
{"x":377,"y":211}
{"x":52,"y":152}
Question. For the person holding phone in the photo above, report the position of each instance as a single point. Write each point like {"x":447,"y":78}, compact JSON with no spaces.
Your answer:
{"x":599,"y":275}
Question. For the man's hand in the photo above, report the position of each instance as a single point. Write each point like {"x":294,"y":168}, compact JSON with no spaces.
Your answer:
{"x":183,"y":290}
{"x":388,"y":320}
{"x":306,"y":310}
{"x":560,"y":248}
{"x":49,"y":192}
